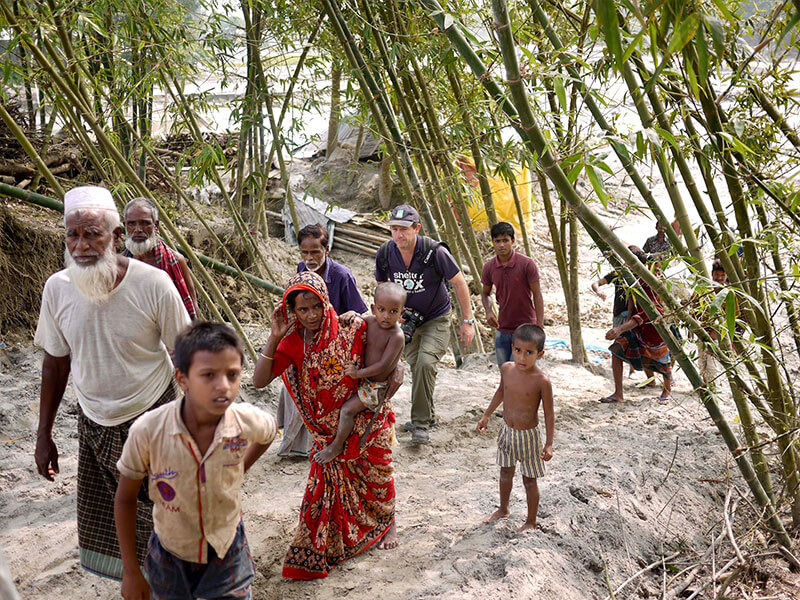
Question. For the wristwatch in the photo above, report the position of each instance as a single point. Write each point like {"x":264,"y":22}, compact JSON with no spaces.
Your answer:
{"x":468,"y":321}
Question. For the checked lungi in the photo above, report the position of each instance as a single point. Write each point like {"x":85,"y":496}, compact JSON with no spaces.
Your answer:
{"x":99,"y":448}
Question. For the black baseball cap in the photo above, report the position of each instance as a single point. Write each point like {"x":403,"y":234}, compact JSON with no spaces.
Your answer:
{"x":404,"y":215}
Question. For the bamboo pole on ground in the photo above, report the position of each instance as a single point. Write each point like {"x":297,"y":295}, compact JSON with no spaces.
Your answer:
{"x":30,"y":150}
{"x":53,"y":204}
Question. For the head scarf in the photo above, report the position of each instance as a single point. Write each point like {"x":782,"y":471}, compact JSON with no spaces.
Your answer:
{"x":308,"y":281}
{"x":319,"y":387}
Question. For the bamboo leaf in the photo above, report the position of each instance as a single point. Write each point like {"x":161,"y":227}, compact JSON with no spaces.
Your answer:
{"x":602,"y":165}
{"x":722,"y":5}
{"x":795,"y":201}
{"x":652,"y":31}
{"x":717,"y":35}
{"x":788,"y":27}
{"x":730,"y":314}
{"x":558,"y":84}
{"x":682,"y":34}
{"x":692,"y":77}
{"x":640,"y":146}
{"x":633,"y":46}
{"x":573,"y":173}
{"x":607,"y":15}
{"x":596,"y":184}
{"x":701,"y":45}
{"x":719,"y":300}
{"x":737,"y":144}
{"x":669,"y":137}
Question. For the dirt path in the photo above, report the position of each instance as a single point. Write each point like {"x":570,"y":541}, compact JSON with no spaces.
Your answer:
{"x":613,"y":495}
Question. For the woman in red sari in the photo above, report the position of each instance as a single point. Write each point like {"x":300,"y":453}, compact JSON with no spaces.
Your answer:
{"x":348,"y":504}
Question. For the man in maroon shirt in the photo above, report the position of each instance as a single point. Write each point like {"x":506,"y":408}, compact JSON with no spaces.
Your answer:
{"x":518,"y":294}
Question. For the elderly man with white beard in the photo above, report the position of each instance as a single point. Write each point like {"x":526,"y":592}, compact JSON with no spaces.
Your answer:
{"x":111,"y":322}
{"x":140,"y":217}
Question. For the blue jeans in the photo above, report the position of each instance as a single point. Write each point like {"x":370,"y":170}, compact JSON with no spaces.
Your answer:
{"x":502,"y":347}
{"x":229,"y":577}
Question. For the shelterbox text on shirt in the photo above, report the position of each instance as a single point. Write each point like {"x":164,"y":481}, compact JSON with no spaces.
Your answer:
{"x":426,"y":289}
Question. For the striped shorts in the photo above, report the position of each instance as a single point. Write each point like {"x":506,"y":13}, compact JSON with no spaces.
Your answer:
{"x":520,"y":446}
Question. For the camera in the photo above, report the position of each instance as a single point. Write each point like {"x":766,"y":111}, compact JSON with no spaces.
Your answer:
{"x":412,"y":320}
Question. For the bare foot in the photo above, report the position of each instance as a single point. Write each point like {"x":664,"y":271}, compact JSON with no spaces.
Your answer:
{"x":389,"y":541}
{"x":496,"y":516}
{"x":527,"y":526}
{"x":327,"y":454}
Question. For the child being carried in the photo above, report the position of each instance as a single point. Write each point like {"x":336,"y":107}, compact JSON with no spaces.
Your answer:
{"x":385,"y":343}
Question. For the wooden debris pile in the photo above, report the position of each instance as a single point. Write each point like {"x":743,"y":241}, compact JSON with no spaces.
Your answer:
{"x":363,"y":234}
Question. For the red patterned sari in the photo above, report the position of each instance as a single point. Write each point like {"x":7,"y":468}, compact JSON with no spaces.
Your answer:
{"x":348,"y":504}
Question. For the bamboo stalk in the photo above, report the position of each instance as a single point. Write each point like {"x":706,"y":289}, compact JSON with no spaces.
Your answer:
{"x":30,"y":150}
{"x":385,"y":115}
{"x":475,"y":150}
{"x":602,"y":235}
{"x":619,"y":149}
{"x":287,"y":96}
{"x":254,"y":253}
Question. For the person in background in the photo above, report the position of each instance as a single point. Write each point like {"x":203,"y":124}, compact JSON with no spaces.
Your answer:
{"x":658,"y":247}
{"x":341,"y":284}
{"x":519,"y":297}
{"x":140,"y":217}
{"x":344,"y":297}
{"x":637,"y":342}
{"x":620,"y":310}
{"x":423,"y":267}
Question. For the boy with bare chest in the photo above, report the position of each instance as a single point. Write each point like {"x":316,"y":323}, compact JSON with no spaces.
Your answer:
{"x":523,"y":388}
{"x":385,"y":343}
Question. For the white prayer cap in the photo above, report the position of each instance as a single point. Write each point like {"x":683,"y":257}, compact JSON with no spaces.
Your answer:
{"x":88,"y":197}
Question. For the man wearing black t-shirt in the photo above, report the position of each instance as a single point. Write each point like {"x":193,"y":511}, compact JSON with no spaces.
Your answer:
{"x":425,"y":281}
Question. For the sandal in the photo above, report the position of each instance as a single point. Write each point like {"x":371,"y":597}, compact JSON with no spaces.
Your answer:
{"x":664,"y":400}
{"x":609,"y":400}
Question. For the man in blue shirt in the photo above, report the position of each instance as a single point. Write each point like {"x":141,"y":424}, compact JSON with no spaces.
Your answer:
{"x":424,"y":279}
{"x":342,"y":290}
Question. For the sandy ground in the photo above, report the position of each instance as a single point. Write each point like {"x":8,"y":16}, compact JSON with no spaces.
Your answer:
{"x":628,"y":484}
{"x":613,"y":495}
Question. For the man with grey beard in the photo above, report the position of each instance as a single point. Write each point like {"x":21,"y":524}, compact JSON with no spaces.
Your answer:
{"x":111,"y":322}
{"x":140,"y":218}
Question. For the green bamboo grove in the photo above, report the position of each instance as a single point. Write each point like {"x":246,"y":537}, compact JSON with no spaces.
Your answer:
{"x":505,"y":85}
